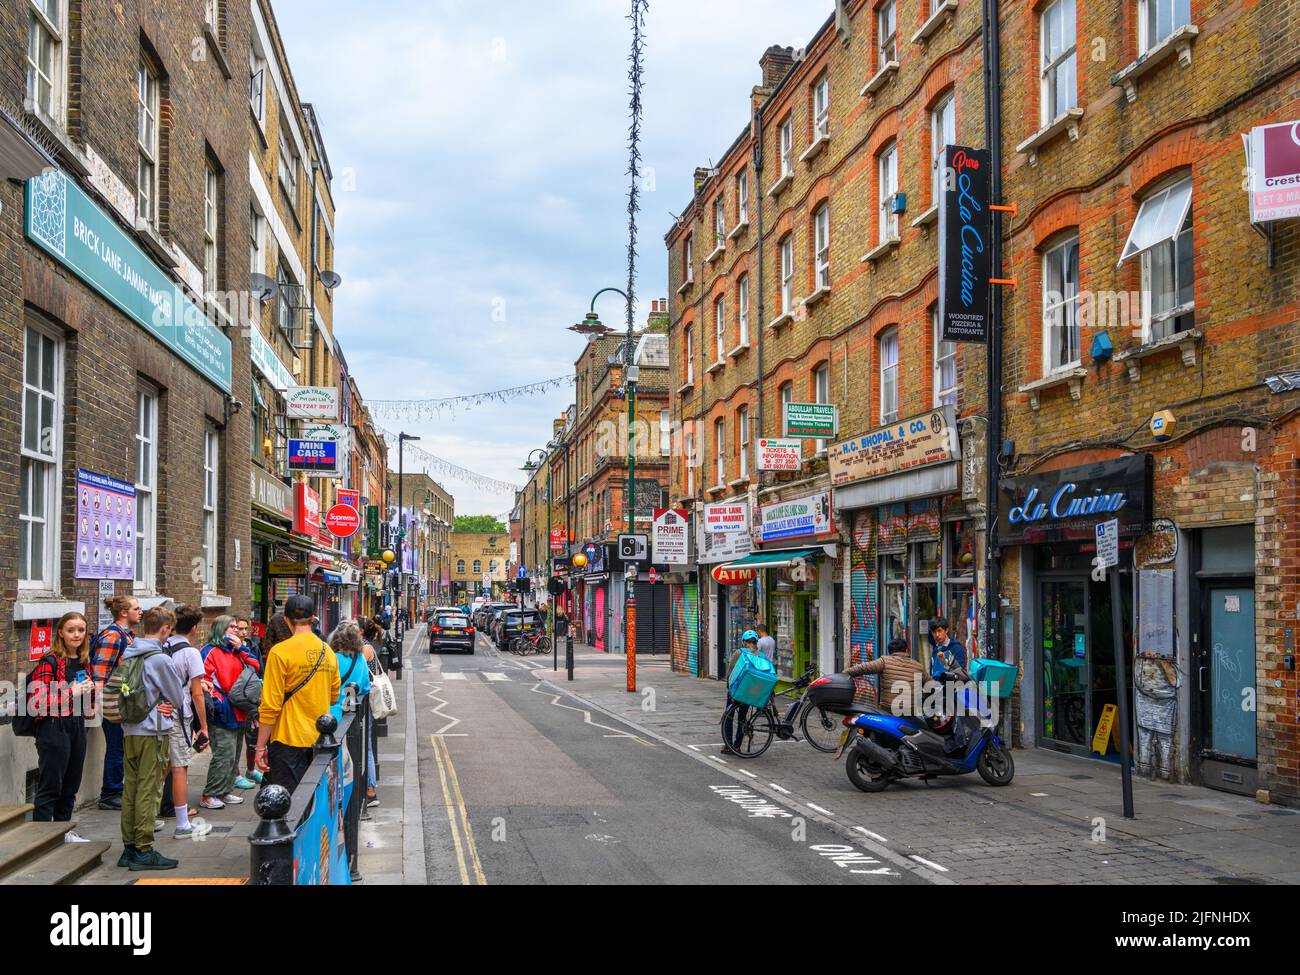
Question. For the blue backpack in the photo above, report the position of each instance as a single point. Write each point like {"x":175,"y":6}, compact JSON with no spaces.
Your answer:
{"x":752,"y":680}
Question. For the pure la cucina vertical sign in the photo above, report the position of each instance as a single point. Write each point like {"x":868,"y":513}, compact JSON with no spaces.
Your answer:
{"x":965,"y":252}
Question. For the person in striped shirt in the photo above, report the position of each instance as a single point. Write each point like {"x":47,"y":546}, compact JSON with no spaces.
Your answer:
{"x":106,"y":650}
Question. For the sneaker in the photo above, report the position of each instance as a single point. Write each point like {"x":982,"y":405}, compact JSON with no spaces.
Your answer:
{"x":372,"y":801}
{"x":72,"y":836}
{"x":212,"y":802}
{"x":125,"y":859}
{"x":243,"y":783}
{"x":111,"y":802}
{"x":193,"y":831}
{"x":152,"y":860}
{"x":230,"y":799}
{"x":256,"y":775}
{"x":158,"y":824}
{"x":728,"y":750}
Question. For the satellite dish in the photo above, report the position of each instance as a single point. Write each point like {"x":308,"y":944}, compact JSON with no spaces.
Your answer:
{"x":330,"y":279}
{"x":261,"y":287}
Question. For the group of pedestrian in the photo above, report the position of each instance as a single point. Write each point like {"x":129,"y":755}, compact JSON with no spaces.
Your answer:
{"x":205,"y":688}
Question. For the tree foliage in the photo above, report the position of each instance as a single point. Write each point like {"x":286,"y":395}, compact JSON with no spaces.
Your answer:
{"x":479,"y":523}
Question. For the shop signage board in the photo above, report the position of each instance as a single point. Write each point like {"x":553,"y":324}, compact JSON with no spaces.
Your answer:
{"x":268,"y":363}
{"x":779,"y":454}
{"x":349,"y":496}
{"x":286,"y":568}
{"x":269,"y":493}
{"x":313,"y":456}
{"x":810,"y":420}
{"x":41,"y":639}
{"x":374,"y":544}
{"x":726,"y":517}
{"x":732,"y":577}
{"x":105,"y":527}
{"x":558,"y":541}
{"x":1108,"y":543}
{"x":796,"y":518}
{"x":66,"y":223}
{"x":1273,"y":165}
{"x":927,"y":438}
{"x":342,"y":520}
{"x":723,"y":546}
{"x":306,"y":510}
{"x":338,"y":433}
{"x":965,"y":235}
{"x":312,"y":403}
{"x":671,"y":536}
{"x":1066,"y":505}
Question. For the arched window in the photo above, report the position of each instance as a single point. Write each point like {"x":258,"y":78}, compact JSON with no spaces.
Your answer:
{"x":478,"y":566}
{"x":460,"y":566}
{"x":492,"y":566}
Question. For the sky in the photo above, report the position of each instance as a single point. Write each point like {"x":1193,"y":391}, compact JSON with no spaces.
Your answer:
{"x":479,"y":153}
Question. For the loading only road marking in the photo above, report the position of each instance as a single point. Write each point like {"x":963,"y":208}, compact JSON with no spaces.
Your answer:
{"x":586,"y":718}
{"x":462,"y":834}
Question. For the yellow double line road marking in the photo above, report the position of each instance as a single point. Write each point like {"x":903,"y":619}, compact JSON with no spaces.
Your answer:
{"x":462,"y":834}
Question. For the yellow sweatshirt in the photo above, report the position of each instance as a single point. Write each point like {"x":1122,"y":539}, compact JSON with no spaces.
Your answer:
{"x":288,"y":664}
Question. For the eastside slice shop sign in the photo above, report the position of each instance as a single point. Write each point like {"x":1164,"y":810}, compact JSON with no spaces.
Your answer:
{"x":670,"y":536}
{"x":928,"y":438}
{"x":797,"y":518}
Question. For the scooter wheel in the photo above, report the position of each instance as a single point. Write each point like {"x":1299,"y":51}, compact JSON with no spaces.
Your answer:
{"x":996,"y":766}
{"x":864,"y":773}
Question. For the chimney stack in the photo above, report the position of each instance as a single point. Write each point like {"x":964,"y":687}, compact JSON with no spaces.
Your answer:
{"x":776,"y":63}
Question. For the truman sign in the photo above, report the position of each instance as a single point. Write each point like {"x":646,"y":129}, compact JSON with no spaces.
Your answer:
{"x":68,"y":225}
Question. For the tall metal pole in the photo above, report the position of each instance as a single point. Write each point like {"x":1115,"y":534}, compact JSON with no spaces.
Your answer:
{"x":993,"y":134}
{"x":550,"y":567}
{"x":1121,"y":696}
{"x":401,"y":540}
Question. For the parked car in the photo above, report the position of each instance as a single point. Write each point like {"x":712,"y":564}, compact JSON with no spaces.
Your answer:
{"x":451,"y":630}
{"x":483,"y":619}
{"x":516,"y":622}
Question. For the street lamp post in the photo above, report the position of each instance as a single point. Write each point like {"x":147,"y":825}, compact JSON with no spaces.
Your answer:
{"x":530,"y":466}
{"x":401,"y":543}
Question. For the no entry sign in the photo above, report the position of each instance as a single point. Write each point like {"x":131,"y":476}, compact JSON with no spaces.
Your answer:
{"x":342,"y":520}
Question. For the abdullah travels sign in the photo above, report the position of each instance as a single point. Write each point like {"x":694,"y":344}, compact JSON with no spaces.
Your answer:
{"x":965,"y":231}
{"x":1273,"y":164}
{"x":811,"y":420}
{"x":65,"y":222}
{"x":1066,"y":505}
{"x":929,"y":438}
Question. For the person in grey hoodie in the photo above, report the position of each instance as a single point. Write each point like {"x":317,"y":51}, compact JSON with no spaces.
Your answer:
{"x":146,"y":744}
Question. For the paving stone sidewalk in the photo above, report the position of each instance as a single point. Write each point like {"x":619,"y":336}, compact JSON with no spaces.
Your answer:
{"x":1046,"y":827}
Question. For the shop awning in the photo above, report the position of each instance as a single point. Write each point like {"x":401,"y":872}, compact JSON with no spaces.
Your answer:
{"x":774,"y":560}
{"x":333,"y":578}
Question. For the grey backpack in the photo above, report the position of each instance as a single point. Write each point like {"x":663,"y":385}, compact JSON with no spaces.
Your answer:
{"x":246,"y":691}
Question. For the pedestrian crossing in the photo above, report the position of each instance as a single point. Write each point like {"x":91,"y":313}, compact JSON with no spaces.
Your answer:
{"x":484,"y":676}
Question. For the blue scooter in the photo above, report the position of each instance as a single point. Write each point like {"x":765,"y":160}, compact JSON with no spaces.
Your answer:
{"x":883,"y":747}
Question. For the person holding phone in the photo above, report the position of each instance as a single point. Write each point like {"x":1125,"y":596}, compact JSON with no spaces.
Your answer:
{"x":57,"y":690}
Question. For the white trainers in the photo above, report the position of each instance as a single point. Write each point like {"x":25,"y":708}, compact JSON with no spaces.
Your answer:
{"x":212,"y":802}
{"x":71,"y":836}
{"x":193,"y":831}
{"x":158,"y":824}
{"x":231,"y":799}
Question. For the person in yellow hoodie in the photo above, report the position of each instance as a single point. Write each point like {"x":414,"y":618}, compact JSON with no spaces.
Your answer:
{"x":300,"y":682}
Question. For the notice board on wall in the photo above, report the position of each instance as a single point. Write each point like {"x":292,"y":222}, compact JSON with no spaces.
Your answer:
{"x":1155,"y":612}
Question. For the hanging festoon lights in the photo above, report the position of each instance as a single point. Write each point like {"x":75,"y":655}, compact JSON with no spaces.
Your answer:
{"x":444,"y":406}
{"x":439,"y":468}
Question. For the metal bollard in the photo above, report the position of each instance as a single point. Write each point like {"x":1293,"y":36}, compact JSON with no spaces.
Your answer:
{"x":326,"y":725}
{"x":271,"y":845}
{"x":568,"y":653}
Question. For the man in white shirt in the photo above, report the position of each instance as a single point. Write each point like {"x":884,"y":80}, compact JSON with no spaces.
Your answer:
{"x":766,"y":644}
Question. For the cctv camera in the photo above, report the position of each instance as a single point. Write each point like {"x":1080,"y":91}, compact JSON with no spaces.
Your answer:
{"x":236,"y":406}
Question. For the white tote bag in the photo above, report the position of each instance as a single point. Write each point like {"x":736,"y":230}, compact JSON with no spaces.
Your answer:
{"x":383,"y":699}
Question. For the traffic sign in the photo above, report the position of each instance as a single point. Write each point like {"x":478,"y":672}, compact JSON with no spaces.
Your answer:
{"x":522,"y":573}
{"x":633,"y":548}
{"x":1108,"y":542}
{"x":343,"y":520}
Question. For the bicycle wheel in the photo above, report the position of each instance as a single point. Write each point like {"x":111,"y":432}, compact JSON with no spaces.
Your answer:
{"x":750,"y":736}
{"x":543,"y":645}
{"x":821,"y":728}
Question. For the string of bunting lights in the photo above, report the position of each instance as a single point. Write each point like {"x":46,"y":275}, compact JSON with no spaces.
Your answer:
{"x":435,"y":408}
{"x":439,"y":467}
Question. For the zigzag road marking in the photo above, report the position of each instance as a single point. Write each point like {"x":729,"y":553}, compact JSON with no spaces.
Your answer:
{"x":586,"y":717}
{"x":433,"y":695}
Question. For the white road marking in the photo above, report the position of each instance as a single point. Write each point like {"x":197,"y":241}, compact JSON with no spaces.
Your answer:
{"x":694,"y":748}
{"x":784,"y":792}
{"x":495,"y":675}
{"x":875,"y":836}
{"x":1040,"y":795}
{"x":718,"y":760}
{"x":817,"y":808}
{"x":433,"y":695}
{"x":586,"y":718}
{"x":454,"y":675}
{"x":744,"y":772}
{"x":928,"y":863}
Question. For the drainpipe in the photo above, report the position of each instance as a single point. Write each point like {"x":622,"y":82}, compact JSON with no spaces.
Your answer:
{"x":993,"y":452}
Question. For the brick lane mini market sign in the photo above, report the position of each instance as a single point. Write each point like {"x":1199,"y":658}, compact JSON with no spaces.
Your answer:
{"x":928,"y":438}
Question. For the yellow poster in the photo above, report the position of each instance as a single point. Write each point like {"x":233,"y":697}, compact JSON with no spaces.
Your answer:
{"x":1106,"y":730}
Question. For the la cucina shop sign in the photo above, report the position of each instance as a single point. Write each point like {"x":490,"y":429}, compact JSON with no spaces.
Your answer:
{"x":1065,"y":505}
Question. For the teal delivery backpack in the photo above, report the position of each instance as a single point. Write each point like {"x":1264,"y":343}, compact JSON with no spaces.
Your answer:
{"x":752,"y":680}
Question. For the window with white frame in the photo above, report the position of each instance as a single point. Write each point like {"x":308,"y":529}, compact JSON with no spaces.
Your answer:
{"x":786,"y":396}
{"x":888,"y":183}
{"x":742,"y":197}
{"x":688,"y":438}
{"x":821,"y":394}
{"x":478,"y":565}
{"x":742,"y":301}
{"x":886,"y":34}
{"x":720,"y":451}
{"x":211,"y":442}
{"x":688,"y":258}
{"x":256,"y":254}
{"x":1157,"y":19}
{"x":945,"y":364}
{"x":287,"y":311}
{"x":888,"y":348}
{"x":742,"y":440}
{"x":719,"y":221}
{"x":690,"y":356}
{"x":460,"y":566}
{"x":943,"y":133}
{"x":787,"y":275}
{"x":45,"y":53}
{"x":720,"y":329}
{"x":822,"y":107}
{"x":1162,"y":235}
{"x":787,"y":146}
{"x":146,"y":488}
{"x":288,"y":168}
{"x":1059,"y":59}
{"x":257,"y":85}
{"x":146,"y":187}
{"x":1061,"y":306}
{"x":211,"y":219}
{"x":665,"y":433}
{"x":42,"y":449}
{"x":822,"y":245}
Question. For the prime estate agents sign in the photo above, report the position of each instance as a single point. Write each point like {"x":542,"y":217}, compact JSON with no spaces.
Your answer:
{"x":808,"y":420}
{"x":965,"y":231}
{"x":312,"y":403}
{"x":797,"y":518}
{"x":928,"y":438}
{"x":68,"y":225}
{"x":671,"y":538}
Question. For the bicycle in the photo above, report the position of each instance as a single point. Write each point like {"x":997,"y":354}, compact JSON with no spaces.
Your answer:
{"x":530,"y":643}
{"x":821,"y":728}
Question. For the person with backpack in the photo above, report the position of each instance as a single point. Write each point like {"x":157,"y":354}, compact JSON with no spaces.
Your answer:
{"x":105,"y":650}
{"x":276,"y":631}
{"x":147,"y":697}
{"x":302,"y":681}
{"x":354,"y":675}
{"x":732,"y":734}
{"x":59,"y":724}
{"x":225,"y":661}
{"x":190,"y":671}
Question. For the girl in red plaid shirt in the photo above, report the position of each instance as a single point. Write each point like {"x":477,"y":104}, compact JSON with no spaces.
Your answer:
{"x":57,"y":693}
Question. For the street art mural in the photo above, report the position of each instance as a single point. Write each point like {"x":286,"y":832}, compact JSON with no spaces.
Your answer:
{"x":1155,"y":680}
